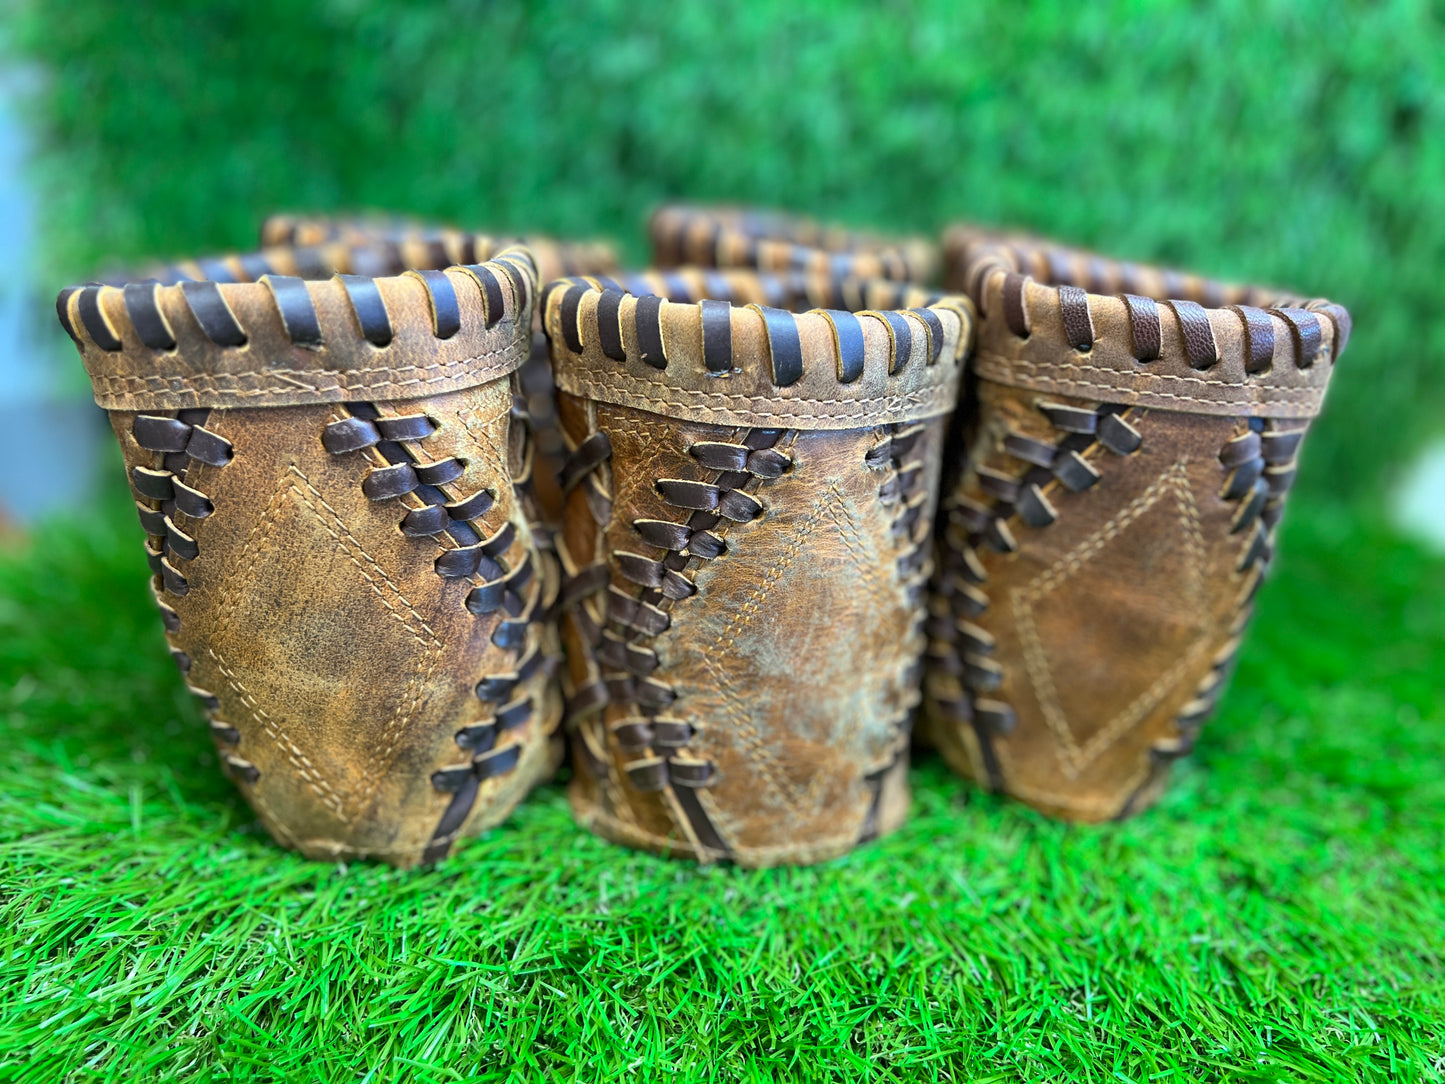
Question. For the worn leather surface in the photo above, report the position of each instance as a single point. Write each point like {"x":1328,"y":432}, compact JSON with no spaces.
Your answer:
{"x":723,"y":236}
{"x":344,"y":677}
{"x":1111,"y":510}
{"x":399,"y":244}
{"x":754,"y":706}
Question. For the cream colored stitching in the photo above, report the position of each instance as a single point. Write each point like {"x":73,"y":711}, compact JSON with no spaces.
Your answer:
{"x":1176,"y":478}
{"x":425,"y":666}
{"x":380,"y":756}
{"x":1050,"y":797}
{"x":910,"y":406}
{"x":1003,"y":370}
{"x":306,"y":379}
{"x":472,"y":423}
{"x":304,"y":768}
{"x":1145,"y":702}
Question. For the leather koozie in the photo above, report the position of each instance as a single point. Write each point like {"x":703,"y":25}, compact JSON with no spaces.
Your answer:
{"x":745,"y":551}
{"x":771,"y":241}
{"x":326,"y":472}
{"x":1113,"y":509}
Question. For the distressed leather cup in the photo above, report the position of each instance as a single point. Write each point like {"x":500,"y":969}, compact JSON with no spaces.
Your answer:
{"x":745,"y":550}
{"x":734,"y":237}
{"x":1111,"y":513}
{"x":325,"y":474}
{"x":397,"y":243}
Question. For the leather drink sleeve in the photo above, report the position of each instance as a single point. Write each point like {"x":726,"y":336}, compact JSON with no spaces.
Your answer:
{"x":745,"y":552}
{"x":330,"y":470}
{"x":1111,"y":509}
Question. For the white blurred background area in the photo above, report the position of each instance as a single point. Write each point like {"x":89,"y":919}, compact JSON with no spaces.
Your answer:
{"x":51,"y":435}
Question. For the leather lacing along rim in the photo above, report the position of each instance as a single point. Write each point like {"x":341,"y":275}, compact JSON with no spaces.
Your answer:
{"x":904,"y":327}
{"x":1059,"y":265}
{"x":291,"y":300}
{"x":370,"y":258}
{"x":987,"y":262}
{"x":402,"y":238}
{"x":771,"y":241}
{"x":797,"y":291}
{"x":670,"y":220}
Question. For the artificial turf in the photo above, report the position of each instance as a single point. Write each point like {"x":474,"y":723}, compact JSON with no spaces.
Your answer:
{"x":1277,"y":917}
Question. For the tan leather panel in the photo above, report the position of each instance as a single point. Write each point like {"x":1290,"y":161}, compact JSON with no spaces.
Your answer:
{"x":346,"y":664}
{"x":794,"y":663}
{"x":1107,"y":620}
{"x":805,"y":623}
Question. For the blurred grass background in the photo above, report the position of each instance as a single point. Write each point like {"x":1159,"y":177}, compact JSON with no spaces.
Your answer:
{"x":1277,"y":918}
{"x":1288,"y":142}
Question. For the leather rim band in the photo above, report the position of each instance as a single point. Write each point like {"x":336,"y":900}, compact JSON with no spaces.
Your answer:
{"x":783,"y":369}
{"x":268,"y":335}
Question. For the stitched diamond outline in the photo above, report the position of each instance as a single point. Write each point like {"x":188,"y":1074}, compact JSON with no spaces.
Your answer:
{"x":1185,"y":604}
{"x":296,"y":487}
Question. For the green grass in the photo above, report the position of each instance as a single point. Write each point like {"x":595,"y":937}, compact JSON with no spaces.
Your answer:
{"x":1278,"y":917}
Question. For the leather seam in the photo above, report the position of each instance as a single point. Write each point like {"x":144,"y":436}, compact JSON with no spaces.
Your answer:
{"x":381,"y":755}
{"x":929,"y":402}
{"x":216,"y":382}
{"x":738,"y":622}
{"x":989,"y":363}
